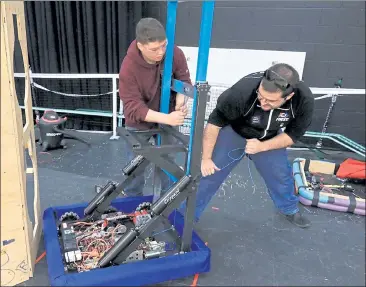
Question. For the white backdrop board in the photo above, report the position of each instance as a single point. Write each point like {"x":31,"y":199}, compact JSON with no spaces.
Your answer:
{"x":227,"y":66}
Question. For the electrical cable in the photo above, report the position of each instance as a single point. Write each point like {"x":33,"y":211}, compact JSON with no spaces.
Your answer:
{"x":232,"y":158}
{"x":238,"y":159}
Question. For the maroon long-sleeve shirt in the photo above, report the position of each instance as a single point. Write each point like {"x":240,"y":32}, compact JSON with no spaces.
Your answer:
{"x":140,"y":84}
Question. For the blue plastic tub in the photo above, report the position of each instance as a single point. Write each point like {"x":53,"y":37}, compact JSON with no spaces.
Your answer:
{"x":131,"y":274}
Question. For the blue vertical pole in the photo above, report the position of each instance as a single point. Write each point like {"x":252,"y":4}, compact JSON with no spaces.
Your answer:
{"x":202,"y":63}
{"x":168,"y":62}
{"x":205,"y":39}
{"x":171,"y":19}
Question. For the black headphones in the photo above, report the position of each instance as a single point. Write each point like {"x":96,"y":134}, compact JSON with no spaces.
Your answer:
{"x":280,"y":82}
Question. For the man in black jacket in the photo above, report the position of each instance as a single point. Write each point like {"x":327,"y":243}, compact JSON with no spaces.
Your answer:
{"x":259,"y":116}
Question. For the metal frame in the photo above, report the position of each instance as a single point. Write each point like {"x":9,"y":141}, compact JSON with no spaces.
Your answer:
{"x":339,"y":139}
{"x":185,"y":181}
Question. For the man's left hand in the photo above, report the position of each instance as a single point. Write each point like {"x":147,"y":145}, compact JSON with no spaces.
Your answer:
{"x":254,"y":146}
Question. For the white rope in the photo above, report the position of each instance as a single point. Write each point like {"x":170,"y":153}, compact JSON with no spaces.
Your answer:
{"x":337,"y":91}
{"x":38,"y":86}
{"x":324,"y":97}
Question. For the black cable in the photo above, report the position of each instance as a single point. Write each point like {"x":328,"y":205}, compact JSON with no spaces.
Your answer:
{"x":71,"y":135}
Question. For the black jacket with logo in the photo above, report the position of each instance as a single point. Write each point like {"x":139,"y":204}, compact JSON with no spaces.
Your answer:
{"x":239,"y":107}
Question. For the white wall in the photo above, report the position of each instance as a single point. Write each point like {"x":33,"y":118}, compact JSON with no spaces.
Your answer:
{"x":227,"y":66}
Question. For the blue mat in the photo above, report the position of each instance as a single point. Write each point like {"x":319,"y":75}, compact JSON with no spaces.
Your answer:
{"x":131,"y":274}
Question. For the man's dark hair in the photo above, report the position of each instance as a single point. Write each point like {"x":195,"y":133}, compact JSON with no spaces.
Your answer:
{"x":284,"y":71}
{"x":149,"y":30}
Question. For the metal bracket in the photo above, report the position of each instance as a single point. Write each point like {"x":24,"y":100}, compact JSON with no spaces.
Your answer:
{"x":203,"y":86}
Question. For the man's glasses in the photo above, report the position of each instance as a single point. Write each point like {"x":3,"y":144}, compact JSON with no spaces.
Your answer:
{"x":272,"y":104}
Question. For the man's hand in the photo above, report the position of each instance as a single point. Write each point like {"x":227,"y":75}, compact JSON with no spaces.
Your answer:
{"x":208,"y":167}
{"x":180,"y":104}
{"x":254,"y":146}
{"x":176,"y":118}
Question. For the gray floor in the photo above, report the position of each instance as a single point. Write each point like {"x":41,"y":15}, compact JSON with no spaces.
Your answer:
{"x":251,"y":244}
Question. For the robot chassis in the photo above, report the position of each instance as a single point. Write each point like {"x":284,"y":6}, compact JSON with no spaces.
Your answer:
{"x":137,"y":242}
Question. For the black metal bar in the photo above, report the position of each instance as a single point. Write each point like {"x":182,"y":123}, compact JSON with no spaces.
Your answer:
{"x":162,"y":149}
{"x":199,"y":121}
{"x":104,"y":205}
{"x":162,"y":131}
{"x":132,"y":140}
{"x":152,"y":153}
{"x":101,"y":202}
{"x":151,"y":132}
{"x":175,"y":133}
{"x":133,"y":164}
{"x":163,"y":163}
{"x":120,"y":251}
{"x":106,"y":190}
{"x":195,"y":163}
{"x":155,"y":153}
{"x":162,"y":203}
{"x":189,"y":189}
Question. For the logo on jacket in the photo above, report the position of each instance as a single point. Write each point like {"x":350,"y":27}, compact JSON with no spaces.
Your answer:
{"x":282,"y":117}
{"x":256,"y":120}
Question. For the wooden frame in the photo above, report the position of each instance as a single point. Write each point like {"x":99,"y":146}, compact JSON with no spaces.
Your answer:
{"x":19,"y":237}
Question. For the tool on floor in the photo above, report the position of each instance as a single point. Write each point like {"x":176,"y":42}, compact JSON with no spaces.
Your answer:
{"x":318,"y":182}
{"x":52,"y":131}
{"x":345,"y":187}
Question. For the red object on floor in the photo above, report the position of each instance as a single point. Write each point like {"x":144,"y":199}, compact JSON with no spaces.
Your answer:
{"x":352,"y":168}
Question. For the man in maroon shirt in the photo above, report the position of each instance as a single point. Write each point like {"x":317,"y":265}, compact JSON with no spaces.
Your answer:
{"x":140,"y":87}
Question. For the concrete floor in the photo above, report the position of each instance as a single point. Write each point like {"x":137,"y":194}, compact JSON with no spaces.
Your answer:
{"x":251,"y":243}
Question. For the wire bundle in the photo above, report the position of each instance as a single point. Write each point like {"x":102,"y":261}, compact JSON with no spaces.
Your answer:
{"x":94,"y":240}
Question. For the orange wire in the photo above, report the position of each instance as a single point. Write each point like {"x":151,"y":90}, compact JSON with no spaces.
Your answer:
{"x":195,"y":278}
{"x":40,"y":257}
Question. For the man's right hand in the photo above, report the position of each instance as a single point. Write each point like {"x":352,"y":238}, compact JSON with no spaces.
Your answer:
{"x":208,"y":167}
{"x":176,"y":118}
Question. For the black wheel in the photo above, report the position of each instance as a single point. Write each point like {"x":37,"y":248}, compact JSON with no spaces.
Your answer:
{"x":69,"y":216}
